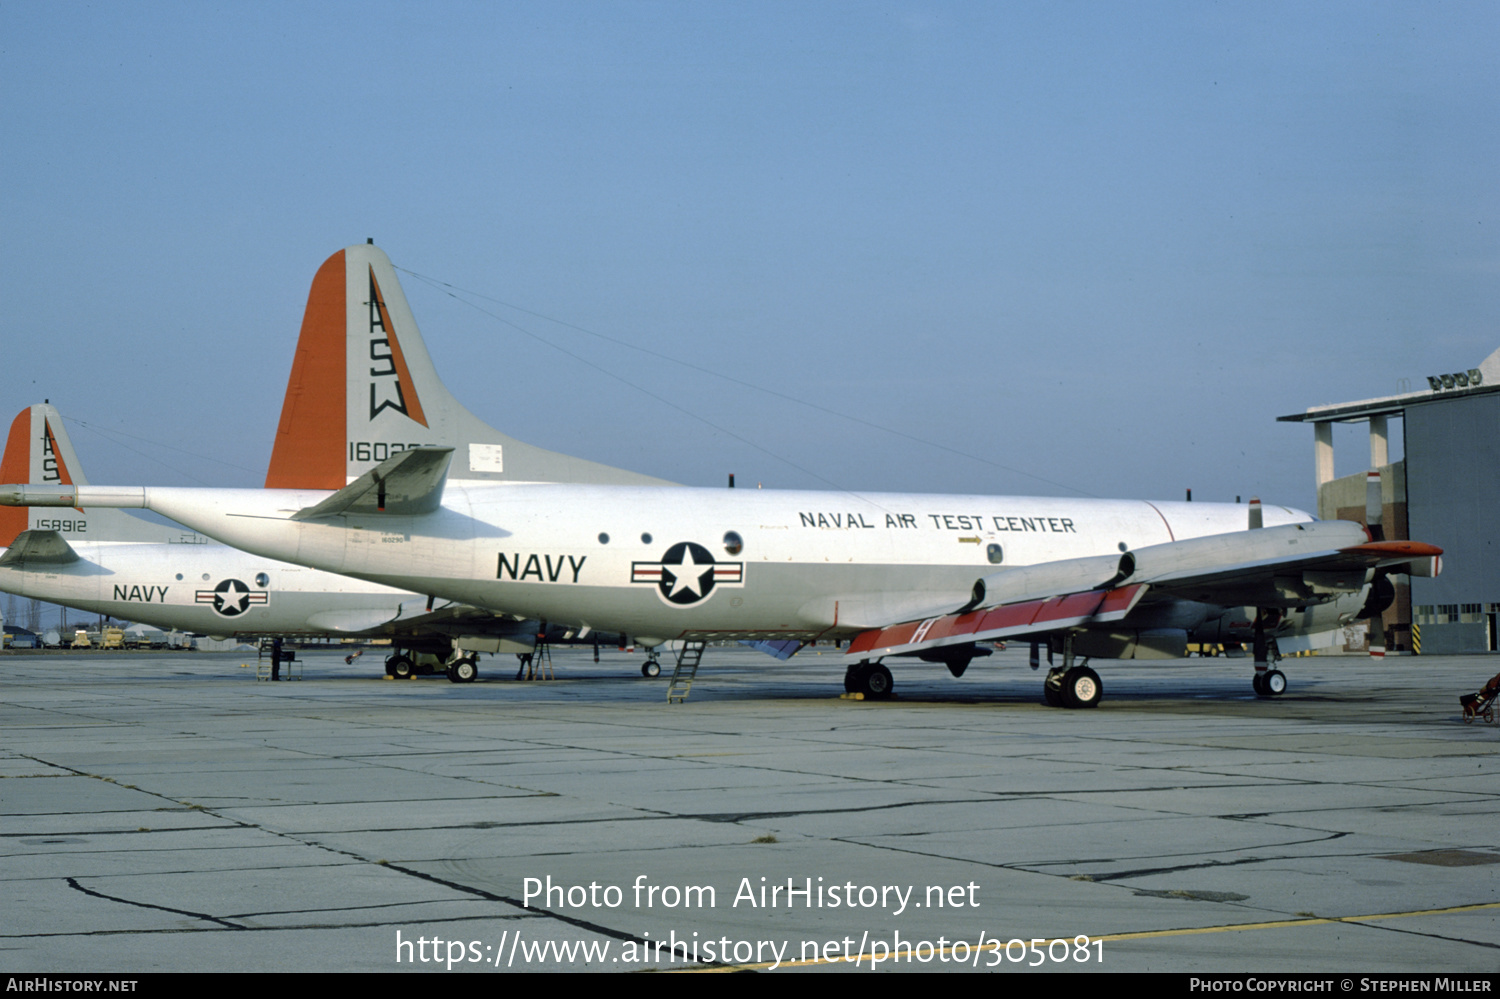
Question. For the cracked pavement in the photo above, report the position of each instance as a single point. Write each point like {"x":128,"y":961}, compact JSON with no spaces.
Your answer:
{"x":166,"y":812}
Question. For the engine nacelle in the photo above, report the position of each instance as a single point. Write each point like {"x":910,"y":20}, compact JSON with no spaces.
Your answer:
{"x":1048,"y":579}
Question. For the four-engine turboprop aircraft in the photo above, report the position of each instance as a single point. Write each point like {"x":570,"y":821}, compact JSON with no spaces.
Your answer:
{"x":929,"y":576}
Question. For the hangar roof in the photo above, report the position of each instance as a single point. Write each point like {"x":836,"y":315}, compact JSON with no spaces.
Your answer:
{"x":1476,"y":381}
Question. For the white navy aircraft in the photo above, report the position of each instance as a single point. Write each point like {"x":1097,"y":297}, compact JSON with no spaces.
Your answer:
{"x":366,"y":483}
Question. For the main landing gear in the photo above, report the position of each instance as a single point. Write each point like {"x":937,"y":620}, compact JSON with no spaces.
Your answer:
{"x":1078,"y":687}
{"x":461,"y":667}
{"x":1069,"y":685}
{"x":870,"y":679}
{"x":463,"y":670}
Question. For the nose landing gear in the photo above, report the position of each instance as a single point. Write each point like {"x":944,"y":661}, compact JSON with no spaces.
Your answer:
{"x":1269,"y":681}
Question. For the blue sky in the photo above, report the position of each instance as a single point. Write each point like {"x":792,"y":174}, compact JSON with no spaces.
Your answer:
{"x":1098,"y":246}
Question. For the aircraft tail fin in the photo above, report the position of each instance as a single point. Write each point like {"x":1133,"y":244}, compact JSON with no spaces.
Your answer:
{"x":363,"y":388}
{"x":38,"y":452}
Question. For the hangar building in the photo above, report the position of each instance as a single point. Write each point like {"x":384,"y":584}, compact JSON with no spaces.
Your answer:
{"x":1445,"y":490}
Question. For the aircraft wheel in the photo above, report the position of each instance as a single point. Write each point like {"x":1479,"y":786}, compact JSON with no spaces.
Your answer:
{"x":854,"y":678}
{"x":400,"y":667}
{"x":463,"y":671}
{"x":1275,"y":682}
{"x":876,"y":681}
{"x":389,"y":671}
{"x":1052,"y":689}
{"x":650,"y":668}
{"x":1259,"y":683}
{"x":1081,"y":688}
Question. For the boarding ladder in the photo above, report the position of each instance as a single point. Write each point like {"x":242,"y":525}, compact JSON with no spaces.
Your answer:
{"x":537,"y":664}
{"x":688,"y":658}
{"x":291,"y":666}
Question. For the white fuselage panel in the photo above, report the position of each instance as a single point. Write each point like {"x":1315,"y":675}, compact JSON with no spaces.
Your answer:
{"x":666,"y":562}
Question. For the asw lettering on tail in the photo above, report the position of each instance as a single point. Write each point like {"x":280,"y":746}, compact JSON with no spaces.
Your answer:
{"x":389,"y":364}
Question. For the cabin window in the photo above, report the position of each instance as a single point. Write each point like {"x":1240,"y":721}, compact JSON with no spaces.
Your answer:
{"x":995,"y":554}
{"x":603,"y":538}
{"x":733,"y":543}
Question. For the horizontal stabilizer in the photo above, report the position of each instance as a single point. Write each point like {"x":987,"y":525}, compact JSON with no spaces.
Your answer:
{"x":38,"y":549}
{"x":408,"y":483}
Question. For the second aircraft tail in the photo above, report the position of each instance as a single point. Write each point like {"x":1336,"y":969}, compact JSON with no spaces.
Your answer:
{"x":38,"y":452}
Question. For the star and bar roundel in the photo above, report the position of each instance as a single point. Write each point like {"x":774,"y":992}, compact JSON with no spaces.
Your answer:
{"x":231,"y":598}
{"x":687,"y":574}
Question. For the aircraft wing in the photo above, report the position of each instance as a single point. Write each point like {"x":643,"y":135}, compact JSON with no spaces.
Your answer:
{"x":356,"y":621}
{"x":417,"y":617}
{"x":1297,"y":581}
{"x":1290,"y":566}
{"x":1026,"y":617}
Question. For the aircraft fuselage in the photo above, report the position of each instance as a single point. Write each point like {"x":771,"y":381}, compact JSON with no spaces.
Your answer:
{"x":668,"y":562}
{"x":207,"y":589}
